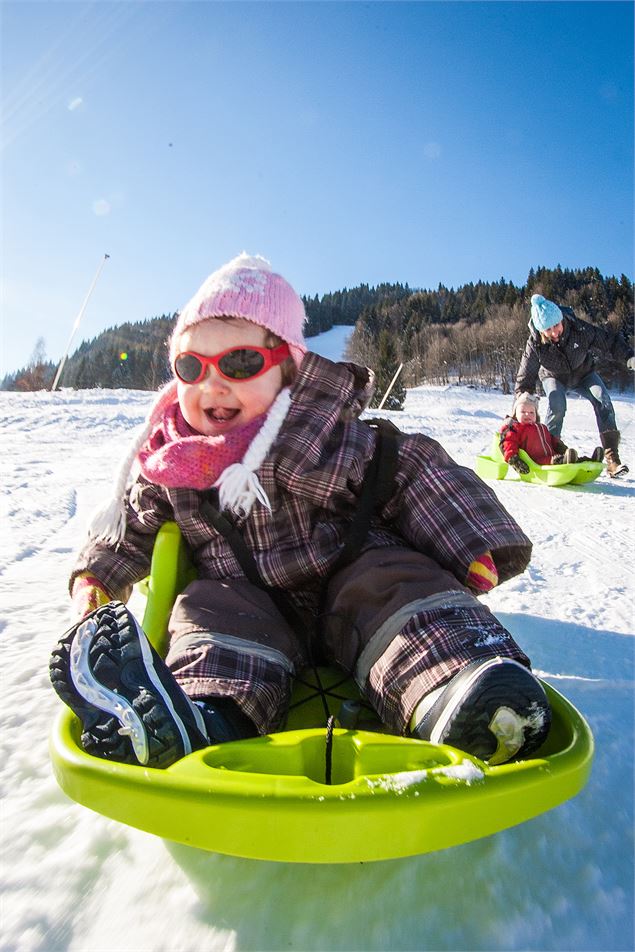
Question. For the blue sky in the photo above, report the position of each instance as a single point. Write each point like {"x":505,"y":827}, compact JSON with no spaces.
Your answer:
{"x":347,"y":142}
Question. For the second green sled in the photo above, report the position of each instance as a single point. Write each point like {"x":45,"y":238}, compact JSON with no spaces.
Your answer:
{"x":311,"y":794}
{"x":493,"y":466}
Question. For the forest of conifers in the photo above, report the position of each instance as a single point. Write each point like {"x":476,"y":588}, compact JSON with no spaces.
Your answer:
{"x":472,"y":335}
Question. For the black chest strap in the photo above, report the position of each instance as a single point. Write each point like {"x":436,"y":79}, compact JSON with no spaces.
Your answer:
{"x":237,"y":544}
{"x":377,"y":488}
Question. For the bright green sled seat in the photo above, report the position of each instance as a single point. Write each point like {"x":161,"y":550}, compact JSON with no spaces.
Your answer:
{"x":270,"y":797}
{"x":493,"y":466}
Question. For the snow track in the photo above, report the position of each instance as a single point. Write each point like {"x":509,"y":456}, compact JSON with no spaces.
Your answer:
{"x":76,"y":881}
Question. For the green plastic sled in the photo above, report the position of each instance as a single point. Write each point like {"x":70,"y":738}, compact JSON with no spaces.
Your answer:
{"x":561,"y":474}
{"x":269,"y":797}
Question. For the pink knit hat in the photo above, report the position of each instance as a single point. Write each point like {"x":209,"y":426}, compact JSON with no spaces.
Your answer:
{"x":247,"y":287}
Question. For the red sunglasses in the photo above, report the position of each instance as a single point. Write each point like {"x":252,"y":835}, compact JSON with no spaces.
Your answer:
{"x":236,"y":363}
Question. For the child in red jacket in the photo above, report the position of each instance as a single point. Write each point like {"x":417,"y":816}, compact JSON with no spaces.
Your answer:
{"x":524,"y":431}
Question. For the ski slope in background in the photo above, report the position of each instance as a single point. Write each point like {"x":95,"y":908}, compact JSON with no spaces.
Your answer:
{"x":73,"y":880}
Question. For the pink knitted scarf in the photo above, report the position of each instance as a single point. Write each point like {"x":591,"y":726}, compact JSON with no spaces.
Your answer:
{"x":177,"y":455}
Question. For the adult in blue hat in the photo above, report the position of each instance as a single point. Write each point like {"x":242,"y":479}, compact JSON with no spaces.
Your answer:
{"x":561,"y":350}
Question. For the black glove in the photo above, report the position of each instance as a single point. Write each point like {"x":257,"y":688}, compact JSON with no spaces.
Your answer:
{"x":519,"y":465}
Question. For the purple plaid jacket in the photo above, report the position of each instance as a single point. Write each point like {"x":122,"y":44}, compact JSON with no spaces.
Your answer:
{"x":313,"y":476}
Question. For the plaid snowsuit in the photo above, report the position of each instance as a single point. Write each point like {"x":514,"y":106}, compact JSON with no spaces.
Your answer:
{"x":399,"y":618}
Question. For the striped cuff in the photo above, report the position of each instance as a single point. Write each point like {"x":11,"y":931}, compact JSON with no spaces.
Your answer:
{"x":88,"y":594}
{"x":482,"y":575}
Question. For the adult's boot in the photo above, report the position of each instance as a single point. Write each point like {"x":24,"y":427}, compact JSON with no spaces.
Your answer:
{"x":610,"y":441}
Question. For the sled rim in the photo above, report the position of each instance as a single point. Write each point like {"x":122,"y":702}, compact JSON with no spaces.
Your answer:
{"x":248,"y":798}
{"x":560,"y":474}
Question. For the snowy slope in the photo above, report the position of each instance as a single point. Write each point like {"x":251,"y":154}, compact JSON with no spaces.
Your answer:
{"x":74,"y":880}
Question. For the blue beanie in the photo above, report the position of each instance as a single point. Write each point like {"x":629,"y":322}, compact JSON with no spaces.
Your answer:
{"x":544,"y":313}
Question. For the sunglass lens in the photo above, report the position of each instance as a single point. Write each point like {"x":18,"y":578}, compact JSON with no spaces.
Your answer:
{"x":241,"y":363}
{"x":188,"y":367}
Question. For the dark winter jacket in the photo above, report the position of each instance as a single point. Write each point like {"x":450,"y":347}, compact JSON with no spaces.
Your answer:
{"x":534,"y":438}
{"x":313,"y":476}
{"x":572,"y":357}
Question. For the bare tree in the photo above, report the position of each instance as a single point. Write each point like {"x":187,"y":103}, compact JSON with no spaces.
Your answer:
{"x":38,"y":373}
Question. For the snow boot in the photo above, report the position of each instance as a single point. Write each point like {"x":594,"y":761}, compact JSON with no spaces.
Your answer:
{"x":610,"y":441}
{"x":569,"y":456}
{"x":494,"y":709}
{"x":131,"y":708}
{"x":597,"y":456}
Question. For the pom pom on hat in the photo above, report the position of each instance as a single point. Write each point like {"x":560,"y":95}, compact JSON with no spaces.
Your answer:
{"x":544,"y":313}
{"x":247,"y":287}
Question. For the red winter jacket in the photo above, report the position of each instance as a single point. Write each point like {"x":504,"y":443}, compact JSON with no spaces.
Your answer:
{"x":534,"y":438}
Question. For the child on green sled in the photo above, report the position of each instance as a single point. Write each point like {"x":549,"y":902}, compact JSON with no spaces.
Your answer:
{"x":256,"y":450}
{"x":524,"y":431}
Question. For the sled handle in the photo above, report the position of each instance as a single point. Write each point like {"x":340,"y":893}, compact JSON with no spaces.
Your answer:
{"x":171,"y":570}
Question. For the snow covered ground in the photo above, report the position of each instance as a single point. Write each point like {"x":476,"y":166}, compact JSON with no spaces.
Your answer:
{"x":73,"y":880}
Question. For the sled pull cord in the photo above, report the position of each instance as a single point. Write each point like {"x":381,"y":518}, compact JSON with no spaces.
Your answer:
{"x":328,"y":751}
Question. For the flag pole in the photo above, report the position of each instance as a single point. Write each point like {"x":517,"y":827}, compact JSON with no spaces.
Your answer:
{"x":390,"y":386}
{"x":77,"y":320}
